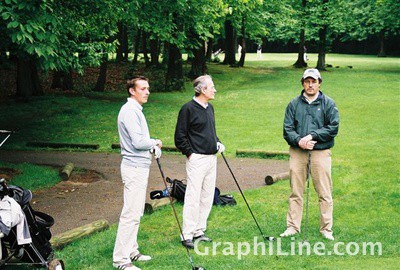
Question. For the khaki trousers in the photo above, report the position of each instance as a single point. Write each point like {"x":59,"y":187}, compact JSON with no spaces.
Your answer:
{"x":322,"y":180}
{"x":201,"y":176}
{"x":135,"y":181}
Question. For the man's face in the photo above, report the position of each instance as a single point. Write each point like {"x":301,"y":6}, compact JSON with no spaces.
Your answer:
{"x":141,"y":91}
{"x":311,"y":87}
{"x":209,"y":91}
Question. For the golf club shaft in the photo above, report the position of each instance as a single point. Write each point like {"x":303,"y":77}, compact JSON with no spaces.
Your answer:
{"x":308,"y":192}
{"x":244,"y":198}
{"x":173,"y":208}
{"x":5,"y":140}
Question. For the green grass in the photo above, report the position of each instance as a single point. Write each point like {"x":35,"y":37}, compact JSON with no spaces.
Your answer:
{"x":249,"y":109}
{"x":32,"y":177}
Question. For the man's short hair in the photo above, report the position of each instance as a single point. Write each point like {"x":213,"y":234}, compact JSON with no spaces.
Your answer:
{"x":131,"y":82}
{"x":200,"y":83}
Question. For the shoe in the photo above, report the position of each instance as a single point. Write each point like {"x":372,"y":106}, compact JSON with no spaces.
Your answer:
{"x":288,"y":232}
{"x":140,"y":258}
{"x":127,"y":266}
{"x":202,"y":238}
{"x":188,"y":243}
{"x":328,"y":235}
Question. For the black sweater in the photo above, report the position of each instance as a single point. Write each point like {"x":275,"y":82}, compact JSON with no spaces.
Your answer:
{"x":195,"y":130}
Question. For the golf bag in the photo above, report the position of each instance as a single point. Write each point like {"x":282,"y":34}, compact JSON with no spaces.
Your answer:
{"x":177,"y":190}
{"x":38,"y":251}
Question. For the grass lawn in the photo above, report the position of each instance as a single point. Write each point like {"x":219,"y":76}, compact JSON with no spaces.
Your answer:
{"x":249,"y":109}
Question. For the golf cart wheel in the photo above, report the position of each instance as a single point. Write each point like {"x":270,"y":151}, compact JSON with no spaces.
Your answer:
{"x":56,"y":265}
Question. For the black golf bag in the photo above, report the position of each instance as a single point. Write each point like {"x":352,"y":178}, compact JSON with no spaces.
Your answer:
{"x":178,"y":189}
{"x":39,"y":252}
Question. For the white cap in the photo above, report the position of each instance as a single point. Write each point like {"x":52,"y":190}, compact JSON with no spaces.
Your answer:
{"x":313,"y":73}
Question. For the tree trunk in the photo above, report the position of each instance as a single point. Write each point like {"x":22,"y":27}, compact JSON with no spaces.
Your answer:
{"x":382,"y":49}
{"x":154,"y":52}
{"x":230,"y":44}
{"x":62,"y":80}
{"x":122,"y":48}
{"x":322,"y":32}
{"x":137,"y":45}
{"x":300,"y":63}
{"x":144,"y":49}
{"x":101,"y":80}
{"x":199,"y":66}
{"x":28,"y":81}
{"x":57,"y":80}
{"x":209,"y":50}
{"x":119,"y":56}
{"x":174,"y":78}
{"x":243,"y":42}
{"x":322,"y":48}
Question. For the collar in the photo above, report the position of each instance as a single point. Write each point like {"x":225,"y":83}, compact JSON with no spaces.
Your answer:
{"x":134,"y":104}
{"x":200,"y":103}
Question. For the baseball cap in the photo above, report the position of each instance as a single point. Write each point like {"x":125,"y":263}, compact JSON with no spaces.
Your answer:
{"x":313,"y":73}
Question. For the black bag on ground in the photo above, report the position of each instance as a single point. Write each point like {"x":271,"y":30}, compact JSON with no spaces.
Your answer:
{"x":179,"y":188}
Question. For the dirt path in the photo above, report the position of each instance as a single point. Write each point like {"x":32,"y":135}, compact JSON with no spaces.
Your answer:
{"x":73,"y":204}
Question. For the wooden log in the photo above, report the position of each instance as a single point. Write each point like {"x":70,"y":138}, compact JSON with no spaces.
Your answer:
{"x":63,"y":145}
{"x":262,"y":154}
{"x":167,"y":148}
{"x":61,"y":240}
{"x":270,"y":179}
{"x":150,"y":206}
{"x":66,"y":172}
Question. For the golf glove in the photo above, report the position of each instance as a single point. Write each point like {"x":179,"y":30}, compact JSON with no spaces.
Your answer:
{"x":156,"y":151}
{"x":220,"y":147}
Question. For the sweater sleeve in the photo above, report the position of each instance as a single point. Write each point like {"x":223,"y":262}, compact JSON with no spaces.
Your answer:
{"x":139,"y":137}
{"x":289,"y":128}
{"x":331,"y":126}
{"x":181,"y":132}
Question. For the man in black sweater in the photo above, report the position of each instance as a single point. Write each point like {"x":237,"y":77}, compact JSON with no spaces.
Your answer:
{"x":195,"y":137}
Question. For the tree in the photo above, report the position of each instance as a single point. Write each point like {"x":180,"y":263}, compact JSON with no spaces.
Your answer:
{"x":382,"y":21}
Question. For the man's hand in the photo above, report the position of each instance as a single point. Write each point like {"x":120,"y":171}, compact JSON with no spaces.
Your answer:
{"x":307,"y":143}
{"x":156,"y":151}
{"x":220,"y":147}
{"x":159,"y":143}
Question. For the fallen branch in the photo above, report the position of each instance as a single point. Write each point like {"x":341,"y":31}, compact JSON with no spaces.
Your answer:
{"x":66,"y":172}
{"x":61,"y":240}
{"x":262,"y":154}
{"x":270,"y":179}
{"x":149,"y":207}
{"x":63,"y":145}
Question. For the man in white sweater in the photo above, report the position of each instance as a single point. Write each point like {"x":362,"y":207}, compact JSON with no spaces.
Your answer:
{"x":136,"y":149}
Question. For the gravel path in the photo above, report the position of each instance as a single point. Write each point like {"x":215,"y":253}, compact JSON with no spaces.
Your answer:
{"x":74,"y":204}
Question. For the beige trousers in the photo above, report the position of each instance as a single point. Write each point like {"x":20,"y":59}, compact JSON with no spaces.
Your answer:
{"x":322,"y":181}
{"x":135,"y":181}
{"x":201,"y":176}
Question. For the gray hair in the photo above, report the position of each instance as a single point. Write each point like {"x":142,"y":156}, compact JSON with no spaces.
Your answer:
{"x":200,"y":83}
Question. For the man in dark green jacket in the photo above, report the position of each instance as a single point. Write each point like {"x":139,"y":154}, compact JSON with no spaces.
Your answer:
{"x":310,"y":126}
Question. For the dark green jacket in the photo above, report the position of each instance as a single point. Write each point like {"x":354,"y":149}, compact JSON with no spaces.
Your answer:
{"x":320,"y":119}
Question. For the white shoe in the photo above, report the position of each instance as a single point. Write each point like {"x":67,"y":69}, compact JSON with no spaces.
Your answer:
{"x":288,"y":232}
{"x":328,"y":235}
{"x":140,"y":258}
{"x":127,"y":266}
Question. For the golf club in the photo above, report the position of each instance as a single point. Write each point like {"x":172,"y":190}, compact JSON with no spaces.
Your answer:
{"x":6,"y":132}
{"x":176,"y":217}
{"x":268,"y":238}
{"x":308,"y":193}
